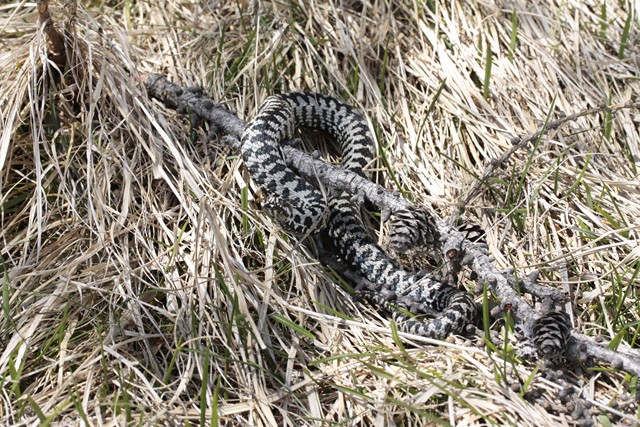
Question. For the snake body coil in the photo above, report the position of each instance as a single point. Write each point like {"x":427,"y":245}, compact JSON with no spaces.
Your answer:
{"x":298,"y":206}
{"x":295,"y":203}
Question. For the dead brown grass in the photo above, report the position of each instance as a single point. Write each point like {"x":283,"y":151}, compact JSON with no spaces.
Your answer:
{"x":142,"y":285}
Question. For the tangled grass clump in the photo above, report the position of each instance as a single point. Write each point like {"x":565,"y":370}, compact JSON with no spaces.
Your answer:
{"x":142,"y":284}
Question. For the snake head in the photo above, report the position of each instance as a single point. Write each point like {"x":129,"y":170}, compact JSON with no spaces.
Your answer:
{"x":278,"y":209}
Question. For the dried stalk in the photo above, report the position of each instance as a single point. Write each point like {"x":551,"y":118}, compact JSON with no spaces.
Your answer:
{"x":56,"y":43}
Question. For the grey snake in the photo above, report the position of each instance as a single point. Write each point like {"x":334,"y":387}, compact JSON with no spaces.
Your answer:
{"x":300,"y":207}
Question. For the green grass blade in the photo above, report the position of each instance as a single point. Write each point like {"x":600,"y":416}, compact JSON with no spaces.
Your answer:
{"x":527,"y":165}
{"x":514,"y":35}
{"x":604,"y":25}
{"x":624,"y":39}
{"x":487,"y":71}
{"x":203,"y":387}
{"x":288,"y":323}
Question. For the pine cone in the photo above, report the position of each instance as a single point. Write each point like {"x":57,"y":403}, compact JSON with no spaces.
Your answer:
{"x":551,"y":333}
{"x":413,"y":227}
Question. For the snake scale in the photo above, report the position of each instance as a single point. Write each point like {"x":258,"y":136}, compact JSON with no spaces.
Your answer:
{"x":301,"y":207}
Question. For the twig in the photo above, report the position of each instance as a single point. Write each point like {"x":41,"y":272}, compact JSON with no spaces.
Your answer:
{"x":521,"y":142}
{"x":193,"y":102}
{"x":451,"y":242}
{"x":583,"y":346}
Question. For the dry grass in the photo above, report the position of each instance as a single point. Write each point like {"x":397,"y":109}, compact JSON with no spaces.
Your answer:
{"x":141,"y":284}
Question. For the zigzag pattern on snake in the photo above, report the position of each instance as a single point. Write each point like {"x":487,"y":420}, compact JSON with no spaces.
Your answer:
{"x":299,"y":206}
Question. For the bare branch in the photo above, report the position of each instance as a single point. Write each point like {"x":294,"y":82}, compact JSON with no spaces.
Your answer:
{"x":451,"y":244}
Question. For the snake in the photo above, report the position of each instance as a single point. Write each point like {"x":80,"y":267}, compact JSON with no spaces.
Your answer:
{"x":301,"y":207}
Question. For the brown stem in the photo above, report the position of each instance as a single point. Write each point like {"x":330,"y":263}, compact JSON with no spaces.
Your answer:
{"x":56,"y":43}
